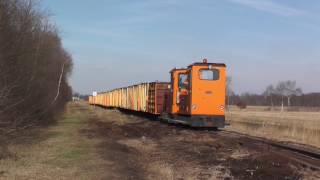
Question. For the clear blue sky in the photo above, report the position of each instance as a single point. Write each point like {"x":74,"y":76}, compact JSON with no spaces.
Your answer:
{"x":121,"y":42}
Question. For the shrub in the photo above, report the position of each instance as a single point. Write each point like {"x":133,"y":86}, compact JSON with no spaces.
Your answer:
{"x":242,"y":105}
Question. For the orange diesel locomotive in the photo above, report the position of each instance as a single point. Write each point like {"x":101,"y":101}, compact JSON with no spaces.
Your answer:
{"x":195,"y":96}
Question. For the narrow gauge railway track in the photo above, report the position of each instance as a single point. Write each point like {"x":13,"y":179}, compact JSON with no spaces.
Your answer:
{"x":308,"y":157}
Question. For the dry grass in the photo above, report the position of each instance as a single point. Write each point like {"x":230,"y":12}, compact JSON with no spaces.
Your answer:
{"x":66,"y":151}
{"x":60,"y":154}
{"x":103,"y":115}
{"x":298,"y":126}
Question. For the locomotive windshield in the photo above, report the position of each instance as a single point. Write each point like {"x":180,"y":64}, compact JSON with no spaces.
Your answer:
{"x":209,"y":74}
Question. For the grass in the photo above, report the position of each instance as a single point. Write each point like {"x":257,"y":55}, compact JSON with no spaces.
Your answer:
{"x":295,"y":126}
{"x":59,"y":152}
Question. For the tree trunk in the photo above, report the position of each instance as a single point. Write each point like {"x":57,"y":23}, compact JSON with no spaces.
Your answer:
{"x":289,"y":103}
{"x":228,"y":102}
{"x":271,"y":102}
{"x":59,"y":84}
{"x":281,"y":103}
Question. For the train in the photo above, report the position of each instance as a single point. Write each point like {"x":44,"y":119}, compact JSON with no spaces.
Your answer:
{"x":195,"y":96}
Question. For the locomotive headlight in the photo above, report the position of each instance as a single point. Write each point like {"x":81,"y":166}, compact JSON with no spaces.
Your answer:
{"x":221,"y":107}
{"x":194,"y":106}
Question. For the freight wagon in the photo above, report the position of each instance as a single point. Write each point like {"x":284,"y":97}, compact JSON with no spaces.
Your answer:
{"x":195,"y":96}
{"x":145,"y":97}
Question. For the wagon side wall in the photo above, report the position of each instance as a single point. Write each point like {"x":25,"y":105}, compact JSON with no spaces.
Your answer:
{"x":145,"y":97}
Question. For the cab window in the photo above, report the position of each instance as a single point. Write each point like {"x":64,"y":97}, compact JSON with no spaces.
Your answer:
{"x":183,"y":81}
{"x":209,"y":74}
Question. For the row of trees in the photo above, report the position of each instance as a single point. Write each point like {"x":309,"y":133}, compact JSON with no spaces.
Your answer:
{"x":283,"y":93}
{"x":284,"y":89}
{"x":34,"y":66}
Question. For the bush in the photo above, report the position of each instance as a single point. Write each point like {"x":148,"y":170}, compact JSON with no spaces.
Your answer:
{"x":242,"y":105}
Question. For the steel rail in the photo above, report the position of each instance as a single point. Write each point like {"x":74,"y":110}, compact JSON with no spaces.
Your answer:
{"x":306,"y":152}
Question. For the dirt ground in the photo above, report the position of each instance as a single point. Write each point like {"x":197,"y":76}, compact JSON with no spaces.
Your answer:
{"x":107,"y":144}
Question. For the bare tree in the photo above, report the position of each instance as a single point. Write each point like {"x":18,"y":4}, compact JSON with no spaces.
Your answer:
{"x":34,"y":66}
{"x":229,"y":90}
{"x":269,"y":92}
{"x":287,"y":89}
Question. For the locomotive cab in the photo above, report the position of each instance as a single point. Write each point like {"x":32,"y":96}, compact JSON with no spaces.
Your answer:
{"x":197,"y":95}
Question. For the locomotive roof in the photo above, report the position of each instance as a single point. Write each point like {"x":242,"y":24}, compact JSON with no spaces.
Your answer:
{"x":205,"y":64}
{"x":201,"y":64}
{"x":175,"y":69}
